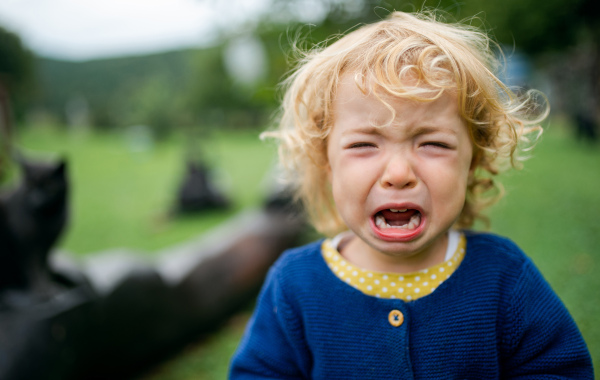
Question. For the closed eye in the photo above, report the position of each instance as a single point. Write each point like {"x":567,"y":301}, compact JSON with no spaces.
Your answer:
{"x":437,"y":144}
{"x":361,"y":145}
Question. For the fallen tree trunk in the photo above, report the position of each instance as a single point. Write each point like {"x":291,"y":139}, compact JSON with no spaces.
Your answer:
{"x":129,"y":312}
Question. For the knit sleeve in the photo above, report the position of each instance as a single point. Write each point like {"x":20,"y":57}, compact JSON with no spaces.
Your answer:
{"x":540,"y":339}
{"x":269,"y":347}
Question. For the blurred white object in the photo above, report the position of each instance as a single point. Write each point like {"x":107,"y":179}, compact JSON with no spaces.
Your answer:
{"x":246,"y":59}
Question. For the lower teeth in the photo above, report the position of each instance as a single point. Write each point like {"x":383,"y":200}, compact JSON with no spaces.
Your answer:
{"x":413,"y":223}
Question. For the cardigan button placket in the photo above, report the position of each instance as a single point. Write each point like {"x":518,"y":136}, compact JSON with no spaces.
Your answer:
{"x":396,"y":318}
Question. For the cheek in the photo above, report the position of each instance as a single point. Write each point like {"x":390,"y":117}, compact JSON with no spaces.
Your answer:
{"x":336,"y":182}
{"x":467,"y":160}
{"x":332,"y":181}
{"x":449,"y":182}
{"x":344,"y":187}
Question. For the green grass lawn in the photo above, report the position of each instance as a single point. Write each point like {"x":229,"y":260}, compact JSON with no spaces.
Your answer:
{"x":121,"y":198}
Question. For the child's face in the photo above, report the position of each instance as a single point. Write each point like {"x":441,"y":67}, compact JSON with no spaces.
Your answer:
{"x":399,"y":187}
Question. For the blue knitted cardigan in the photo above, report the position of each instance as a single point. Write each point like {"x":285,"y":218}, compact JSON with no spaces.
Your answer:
{"x":494,"y":318}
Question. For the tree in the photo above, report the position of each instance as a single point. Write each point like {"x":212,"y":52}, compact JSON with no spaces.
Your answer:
{"x":16,"y":73}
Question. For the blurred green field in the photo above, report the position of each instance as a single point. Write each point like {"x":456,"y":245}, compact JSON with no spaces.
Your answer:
{"x":122,"y":196}
{"x":121,"y":199}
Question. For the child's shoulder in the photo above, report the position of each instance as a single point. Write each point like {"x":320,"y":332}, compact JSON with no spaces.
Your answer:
{"x":297,"y":271}
{"x":497,"y":254}
{"x":493,"y":244}
{"x":306,"y":249}
{"x":300,"y":260}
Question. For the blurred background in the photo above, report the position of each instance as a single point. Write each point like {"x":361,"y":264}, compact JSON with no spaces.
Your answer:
{"x":129,"y":92}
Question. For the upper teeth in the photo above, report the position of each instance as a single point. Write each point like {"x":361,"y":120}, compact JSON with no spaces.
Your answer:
{"x":396,"y":210}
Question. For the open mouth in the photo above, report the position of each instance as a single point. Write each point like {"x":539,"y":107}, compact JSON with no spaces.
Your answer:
{"x":405,"y":219}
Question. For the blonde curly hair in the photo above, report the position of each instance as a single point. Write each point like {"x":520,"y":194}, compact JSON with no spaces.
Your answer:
{"x":408,"y":56}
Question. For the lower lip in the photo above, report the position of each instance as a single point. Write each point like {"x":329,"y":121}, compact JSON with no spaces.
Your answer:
{"x":397,"y":234}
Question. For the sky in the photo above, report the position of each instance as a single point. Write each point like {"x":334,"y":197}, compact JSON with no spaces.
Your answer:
{"x":89,"y":29}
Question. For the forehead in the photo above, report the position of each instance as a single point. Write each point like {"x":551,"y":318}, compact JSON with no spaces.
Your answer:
{"x":369,"y":105}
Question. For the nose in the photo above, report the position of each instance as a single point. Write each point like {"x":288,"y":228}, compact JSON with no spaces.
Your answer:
{"x":398,"y":172}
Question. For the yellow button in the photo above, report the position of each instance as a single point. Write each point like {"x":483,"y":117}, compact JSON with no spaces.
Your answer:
{"x":396,"y":318}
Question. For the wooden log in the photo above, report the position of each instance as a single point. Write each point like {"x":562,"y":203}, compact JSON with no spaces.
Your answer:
{"x":140,"y":311}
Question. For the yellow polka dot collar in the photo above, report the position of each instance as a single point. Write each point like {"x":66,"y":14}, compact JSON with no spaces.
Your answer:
{"x":407,"y":287}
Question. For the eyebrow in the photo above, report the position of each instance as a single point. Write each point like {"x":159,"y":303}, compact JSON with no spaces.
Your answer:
{"x":367,"y":130}
{"x":424,"y":130}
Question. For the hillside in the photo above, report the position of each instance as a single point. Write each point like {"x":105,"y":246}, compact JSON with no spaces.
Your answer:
{"x":106,"y":83}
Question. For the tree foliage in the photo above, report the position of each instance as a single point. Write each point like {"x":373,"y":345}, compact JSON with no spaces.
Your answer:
{"x":16,"y":69}
{"x":15,"y":86}
{"x":119,"y":91}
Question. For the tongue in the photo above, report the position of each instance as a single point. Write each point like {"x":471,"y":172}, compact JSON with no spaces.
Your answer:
{"x":398,"y":218}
